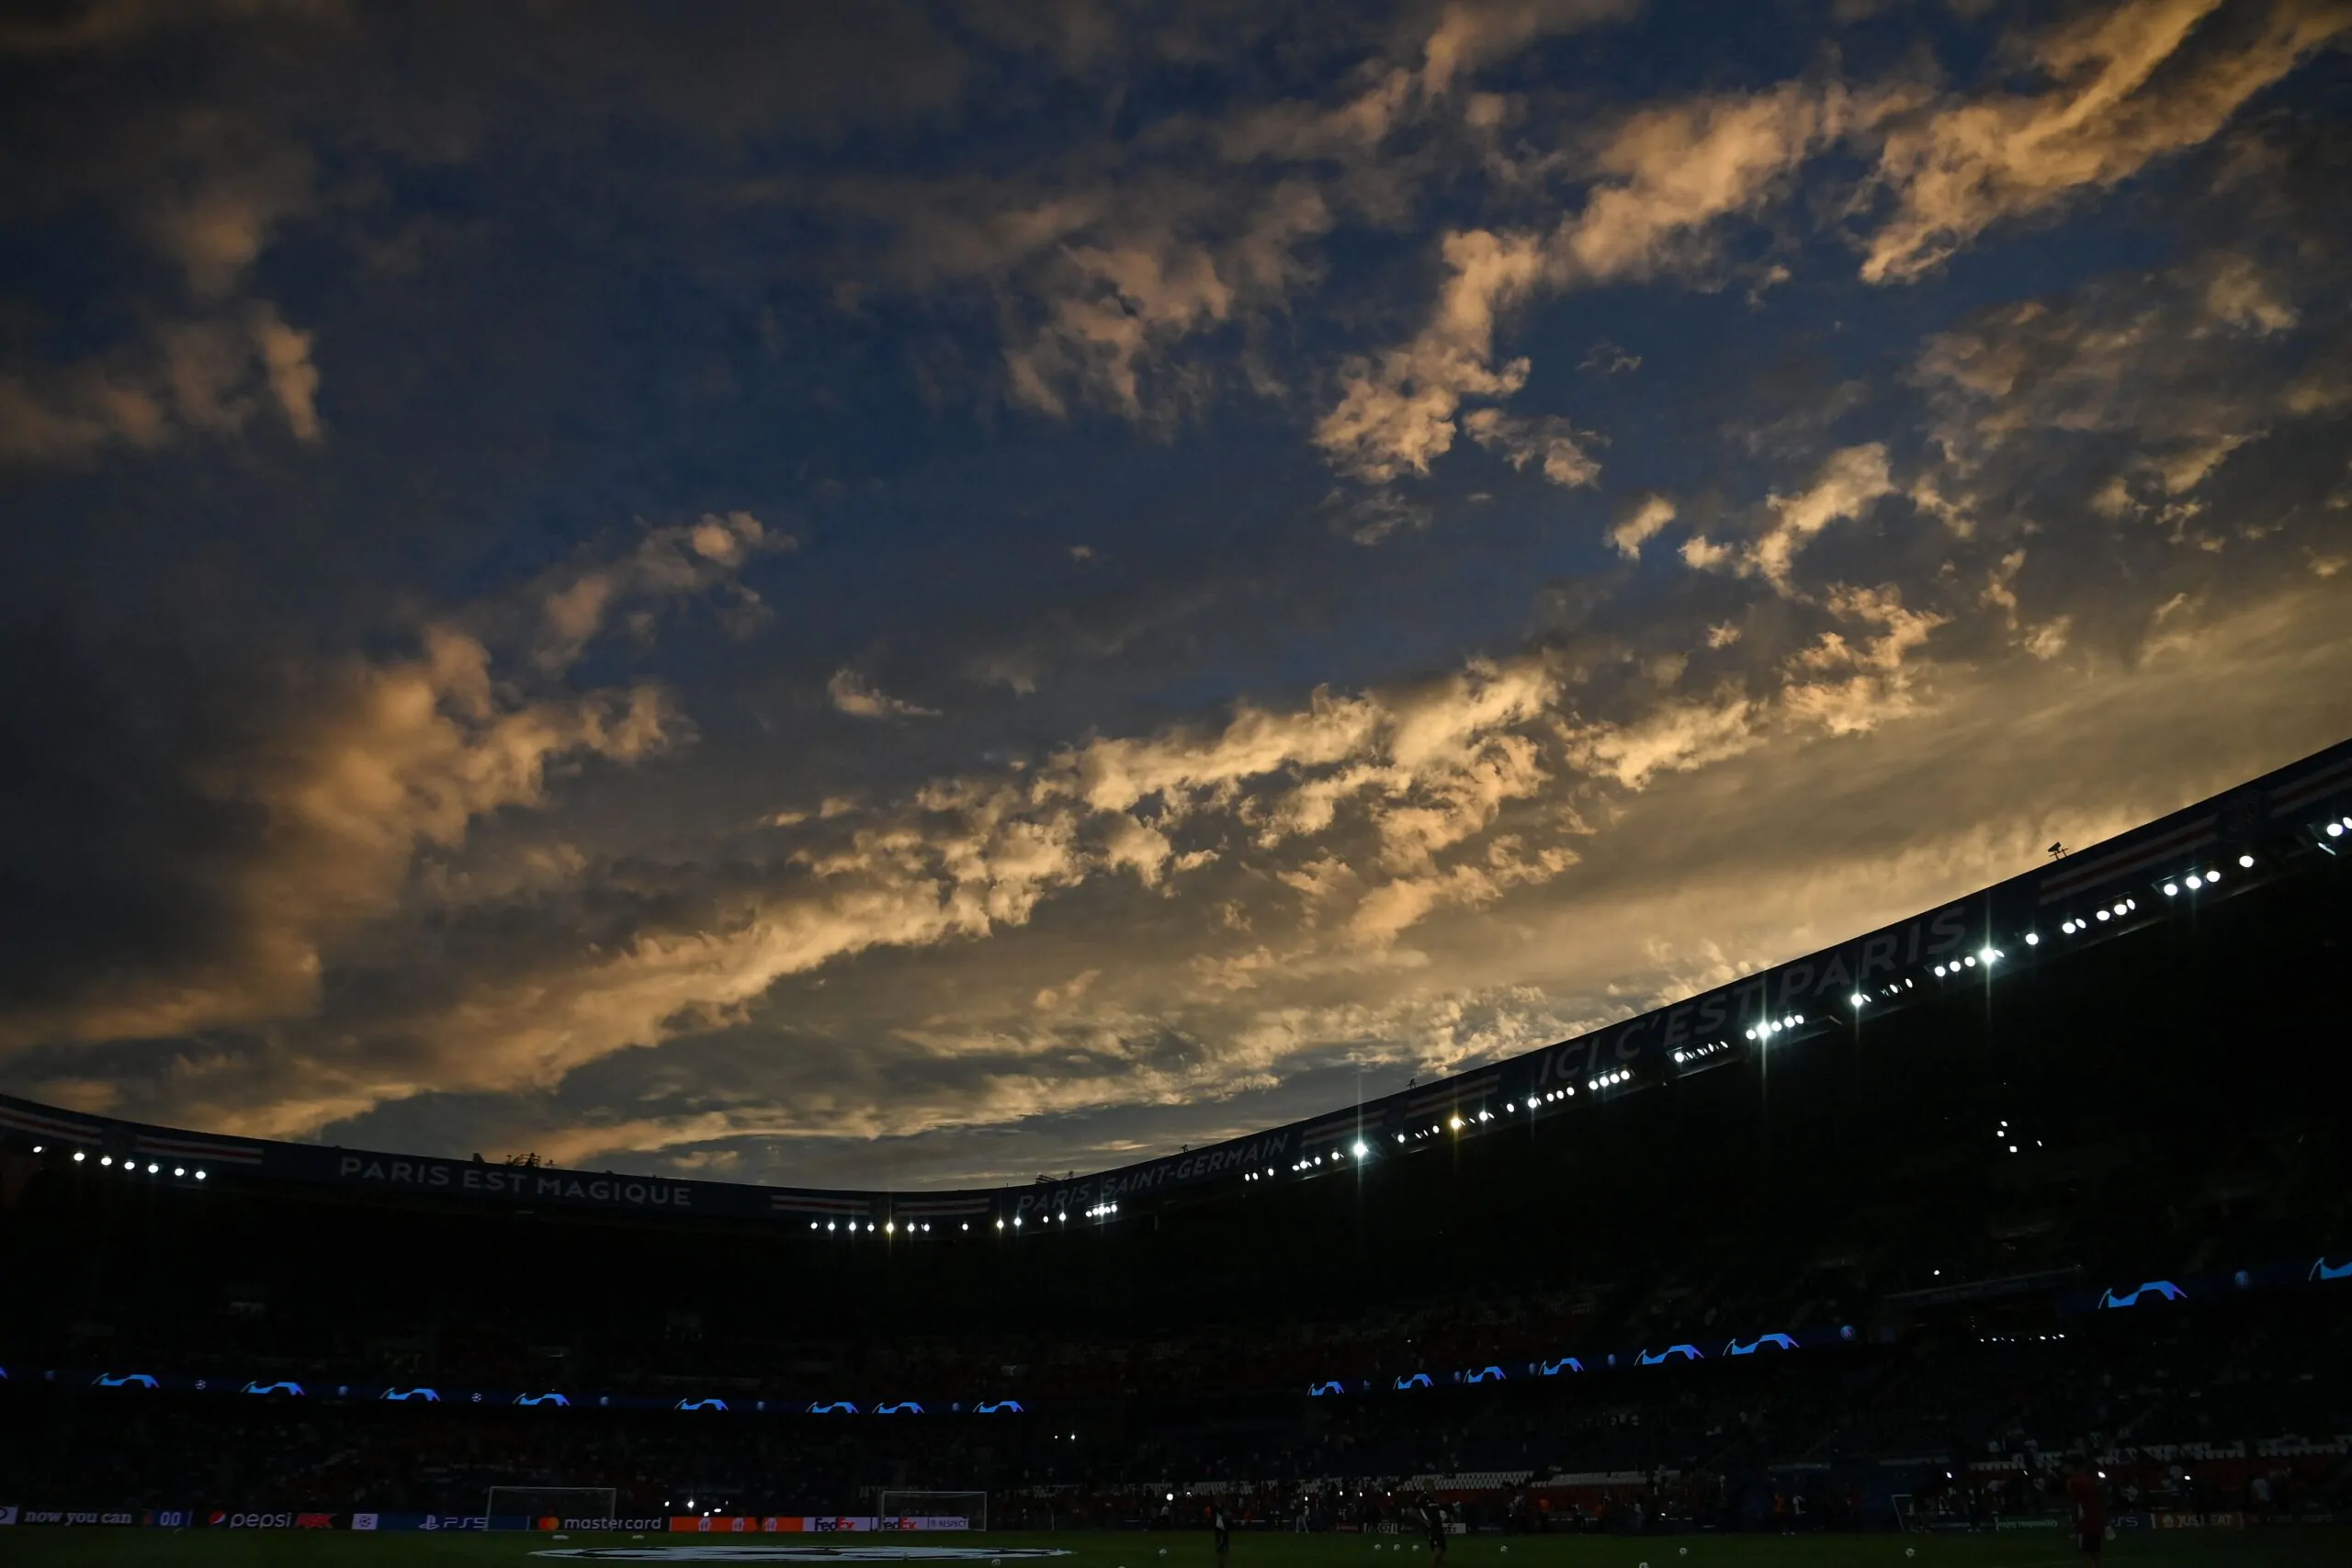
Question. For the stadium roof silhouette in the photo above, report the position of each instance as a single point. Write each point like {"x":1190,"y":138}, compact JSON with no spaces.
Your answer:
{"x":2280,"y":827}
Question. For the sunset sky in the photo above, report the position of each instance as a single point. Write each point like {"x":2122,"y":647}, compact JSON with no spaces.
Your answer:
{"x":917,"y":593}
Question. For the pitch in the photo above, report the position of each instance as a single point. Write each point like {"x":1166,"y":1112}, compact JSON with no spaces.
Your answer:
{"x":2284,"y":1546}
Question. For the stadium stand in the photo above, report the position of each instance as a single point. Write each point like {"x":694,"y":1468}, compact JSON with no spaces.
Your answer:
{"x":1886,"y":1247}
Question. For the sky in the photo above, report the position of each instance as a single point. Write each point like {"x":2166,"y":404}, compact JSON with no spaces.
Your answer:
{"x":914,"y":594}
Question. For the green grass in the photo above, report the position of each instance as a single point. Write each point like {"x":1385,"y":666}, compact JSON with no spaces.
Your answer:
{"x":2277,"y":1547}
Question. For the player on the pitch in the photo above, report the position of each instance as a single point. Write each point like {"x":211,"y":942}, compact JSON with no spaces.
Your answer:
{"x":2089,"y":1499}
{"x":1433,"y":1515}
{"x":1221,"y":1523}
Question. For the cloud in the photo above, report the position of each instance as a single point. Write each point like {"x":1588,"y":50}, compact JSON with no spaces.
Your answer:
{"x":207,"y":378}
{"x":2125,"y":86}
{"x":1551,"y":441}
{"x":853,"y":695}
{"x":1641,"y":526}
{"x":262,"y":836}
{"x":1659,"y":180}
{"x":1848,"y":482}
{"x":574,"y":603}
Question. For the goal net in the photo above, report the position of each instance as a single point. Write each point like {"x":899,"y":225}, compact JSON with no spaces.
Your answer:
{"x":571,"y":1508}
{"x":933,"y":1510}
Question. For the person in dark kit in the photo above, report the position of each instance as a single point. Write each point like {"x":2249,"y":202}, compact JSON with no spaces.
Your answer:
{"x":1221,"y":1523}
{"x":2089,"y":1499}
{"x":1433,"y":1515}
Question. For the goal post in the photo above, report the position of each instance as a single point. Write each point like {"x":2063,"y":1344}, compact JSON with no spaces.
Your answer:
{"x":937,"y":1510}
{"x":571,"y":1508}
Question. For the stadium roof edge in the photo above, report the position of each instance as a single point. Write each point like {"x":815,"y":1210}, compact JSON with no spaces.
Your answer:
{"x":1882,"y":968}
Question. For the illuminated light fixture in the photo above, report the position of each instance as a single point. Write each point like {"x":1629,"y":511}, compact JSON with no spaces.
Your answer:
{"x":1454,"y":1122}
{"x":105,"y":1159}
{"x":37,"y":1148}
{"x":153,"y":1167}
{"x":829,"y":1224}
{"x":1400,"y":1137}
{"x":199,"y":1176}
{"x":2213,"y":877}
{"x":1988,"y":954}
{"x":2013,"y":1148}
{"x":2247,"y":861}
{"x":1000,"y":1224}
{"x":1361,"y":1151}
{"x":2103,"y":914}
{"x":2033,"y":939}
{"x":1856,"y":999}
{"x":1940,"y":971}
{"x":967,"y":1225}
{"x":2336,"y":830}
{"x":1970,"y":961}
{"x":1016,"y":1219}
{"x":888,"y":1226}
{"x":2195,"y":882}
{"x":812,"y":1224}
{"x":1570,"y":1091}
{"x":79,"y":1156}
{"x":1678,"y":1057}
{"x":2172,"y":890}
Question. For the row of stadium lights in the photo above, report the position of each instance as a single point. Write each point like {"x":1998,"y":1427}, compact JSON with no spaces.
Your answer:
{"x":1983,"y":957}
{"x":129,"y":1167}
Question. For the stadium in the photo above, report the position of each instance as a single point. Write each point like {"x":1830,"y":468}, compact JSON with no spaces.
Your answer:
{"x":1866,"y":1256}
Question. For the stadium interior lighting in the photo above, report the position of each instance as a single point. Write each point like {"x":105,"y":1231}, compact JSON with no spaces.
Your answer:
{"x":178,"y":1170}
{"x":1988,"y":954}
{"x":1000,"y":1224}
{"x":1360,"y":1151}
{"x":888,"y":1226}
{"x":1017,"y":1220}
{"x":79,"y":1156}
{"x":2247,"y":861}
{"x":1856,"y":999}
{"x":199,"y":1176}
{"x":967,"y":1225}
{"x":1970,"y":961}
{"x":2336,"y":830}
{"x":2195,"y":882}
{"x":105,"y":1159}
{"x":831,"y":1223}
{"x":2033,"y":939}
{"x":2172,"y":890}
{"x":2103,"y":914}
{"x":2213,"y":877}
{"x":1454,"y":1122}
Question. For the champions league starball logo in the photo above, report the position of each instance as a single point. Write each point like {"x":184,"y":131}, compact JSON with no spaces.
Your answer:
{"x":731,"y":1552}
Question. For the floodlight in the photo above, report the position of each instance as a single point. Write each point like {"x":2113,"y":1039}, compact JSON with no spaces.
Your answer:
{"x":79,"y":1156}
{"x":2336,"y":830}
{"x":2247,"y":860}
{"x":2033,"y":939}
{"x":2195,"y":882}
{"x":2172,"y":890}
{"x":1360,"y":1150}
{"x":1856,"y":999}
{"x":2103,"y":914}
{"x":199,"y":1176}
{"x":105,"y":1159}
{"x":1987,"y":953}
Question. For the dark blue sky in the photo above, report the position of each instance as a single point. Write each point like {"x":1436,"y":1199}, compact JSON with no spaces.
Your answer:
{"x":914,"y":592}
